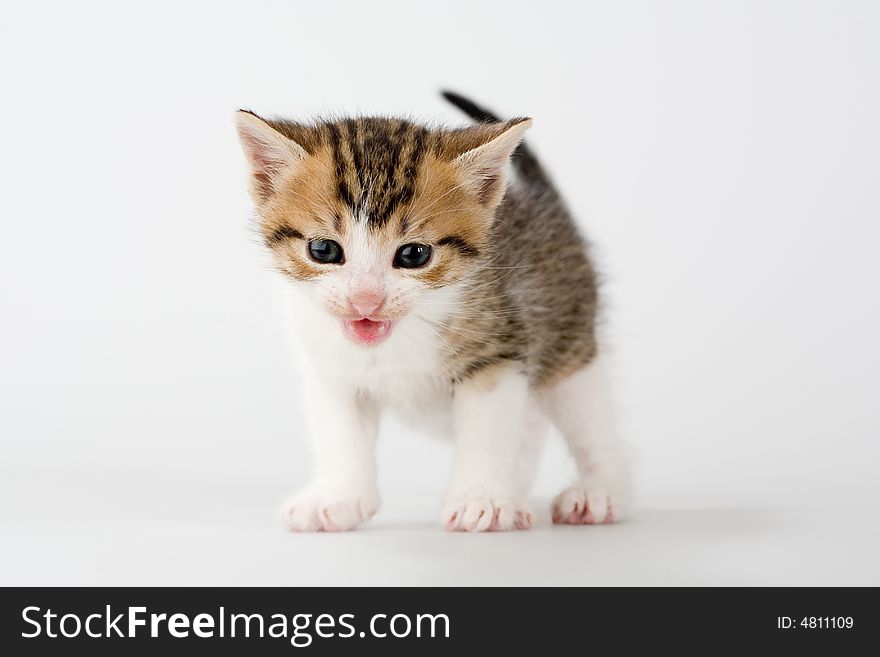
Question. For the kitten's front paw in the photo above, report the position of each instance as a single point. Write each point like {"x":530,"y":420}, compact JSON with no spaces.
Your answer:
{"x":476,"y":513}
{"x":329,"y":510}
{"x":583,"y":504}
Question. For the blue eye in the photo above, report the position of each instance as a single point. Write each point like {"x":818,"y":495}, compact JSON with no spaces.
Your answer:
{"x":412,"y":256}
{"x":327,"y":252}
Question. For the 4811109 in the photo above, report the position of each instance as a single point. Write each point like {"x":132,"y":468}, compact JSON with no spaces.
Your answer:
{"x":815,"y":622}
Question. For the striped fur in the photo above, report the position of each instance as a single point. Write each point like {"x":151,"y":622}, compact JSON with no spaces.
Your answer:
{"x":527,"y":288}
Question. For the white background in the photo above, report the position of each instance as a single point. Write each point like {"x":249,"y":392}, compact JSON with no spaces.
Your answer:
{"x":723,"y":157}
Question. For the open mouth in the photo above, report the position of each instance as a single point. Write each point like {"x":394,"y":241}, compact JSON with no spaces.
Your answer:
{"x":366,"y":331}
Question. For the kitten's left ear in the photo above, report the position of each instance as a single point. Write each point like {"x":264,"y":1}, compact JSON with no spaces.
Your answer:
{"x":484,"y":165}
{"x":268,"y":152}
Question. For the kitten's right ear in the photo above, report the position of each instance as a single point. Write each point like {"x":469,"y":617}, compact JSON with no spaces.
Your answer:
{"x":268,"y":152}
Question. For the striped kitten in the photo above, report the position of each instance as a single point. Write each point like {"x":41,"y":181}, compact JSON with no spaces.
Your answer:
{"x":438,"y":274}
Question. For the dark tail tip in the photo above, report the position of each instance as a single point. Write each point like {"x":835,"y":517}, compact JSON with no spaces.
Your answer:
{"x":470,"y":108}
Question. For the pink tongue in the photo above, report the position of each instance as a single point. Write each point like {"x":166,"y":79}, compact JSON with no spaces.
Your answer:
{"x":366,"y":329}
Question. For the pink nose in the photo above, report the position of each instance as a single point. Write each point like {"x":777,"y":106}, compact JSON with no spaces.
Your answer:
{"x":366,"y":303}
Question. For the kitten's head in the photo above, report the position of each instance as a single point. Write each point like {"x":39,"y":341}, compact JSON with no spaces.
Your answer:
{"x":373,"y":216}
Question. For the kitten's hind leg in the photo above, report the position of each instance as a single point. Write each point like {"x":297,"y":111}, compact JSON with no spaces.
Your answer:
{"x":582,"y":408}
{"x":537,"y":426}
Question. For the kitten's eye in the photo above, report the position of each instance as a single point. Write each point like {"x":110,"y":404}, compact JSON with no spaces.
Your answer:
{"x":412,"y":256}
{"x":325,"y":251}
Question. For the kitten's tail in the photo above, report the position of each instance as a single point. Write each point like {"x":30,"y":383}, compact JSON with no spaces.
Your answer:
{"x":523,"y":158}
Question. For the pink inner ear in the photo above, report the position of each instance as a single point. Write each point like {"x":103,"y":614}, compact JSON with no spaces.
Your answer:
{"x":265,"y":162}
{"x":263,"y":183}
{"x":262,"y":154}
{"x":488,"y":185}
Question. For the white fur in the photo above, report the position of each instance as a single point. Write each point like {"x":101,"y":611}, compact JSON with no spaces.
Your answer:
{"x":498,"y":428}
{"x":582,"y":408}
{"x":490,"y":428}
{"x":349,"y":384}
{"x":498,"y":422}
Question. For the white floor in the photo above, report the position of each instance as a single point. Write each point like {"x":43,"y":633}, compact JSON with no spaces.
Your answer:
{"x":66,"y":531}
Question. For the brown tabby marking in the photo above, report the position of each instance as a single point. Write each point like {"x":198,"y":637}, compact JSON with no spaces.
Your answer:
{"x":529,"y":288}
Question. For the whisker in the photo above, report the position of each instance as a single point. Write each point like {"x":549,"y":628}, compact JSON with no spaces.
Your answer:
{"x":449,"y":346}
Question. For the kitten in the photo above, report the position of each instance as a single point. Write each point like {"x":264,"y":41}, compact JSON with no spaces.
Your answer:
{"x":438,"y":274}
